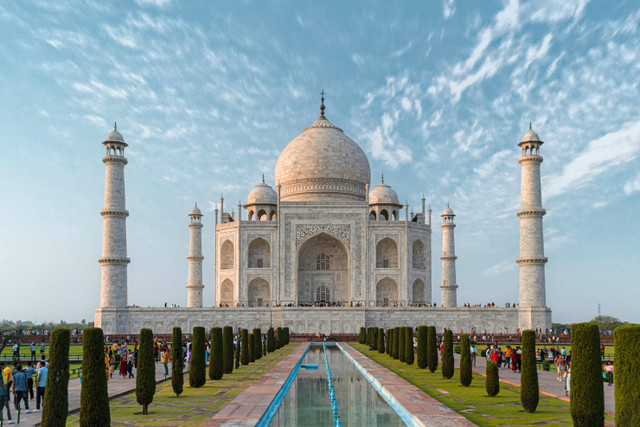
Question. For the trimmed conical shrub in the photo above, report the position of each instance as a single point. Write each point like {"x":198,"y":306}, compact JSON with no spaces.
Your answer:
{"x":279,"y":343}
{"x":264,"y":346}
{"x":447,"y":355}
{"x":587,"y":393}
{"x":408,"y":352}
{"x":216,"y":359}
{"x":422,"y":347}
{"x":396,"y":342}
{"x":177,"y":362}
{"x":146,"y":374}
{"x":287,"y":335}
{"x":529,"y":392}
{"x":227,"y":349}
{"x":271,"y":341}
{"x":361,"y":337}
{"x":492,"y":382}
{"x":244,"y":350}
{"x":627,"y":363}
{"x":94,"y":399}
{"x":55,"y":405}
{"x":389,"y":341}
{"x":402,"y":347}
{"x":238,"y":345}
{"x":198,"y":367}
{"x":252,"y":348}
{"x":432,"y":349}
{"x":465,"y":361}
{"x":258,"y":347}
{"x":380,"y":340}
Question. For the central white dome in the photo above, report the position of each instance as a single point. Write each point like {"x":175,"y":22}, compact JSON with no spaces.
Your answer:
{"x":322,"y":164}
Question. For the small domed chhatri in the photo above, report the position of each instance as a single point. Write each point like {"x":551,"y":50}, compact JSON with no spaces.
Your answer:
{"x":322,"y":164}
{"x":115,"y":136}
{"x":448,"y":212}
{"x":530,"y":136}
{"x":196,"y":211}
{"x":383,"y":194}
{"x":262,"y":194}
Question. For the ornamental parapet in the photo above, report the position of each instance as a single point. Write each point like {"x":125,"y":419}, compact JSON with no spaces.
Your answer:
{"x":195,"y":258}
{"x":449,"y":258}
{"x":114,"y":260}
{"x":530,"y":159}
{"x":114,"y":159}
{"x":113,"y":212}
{"x":531,"y":260}
{"x":532,"y":212}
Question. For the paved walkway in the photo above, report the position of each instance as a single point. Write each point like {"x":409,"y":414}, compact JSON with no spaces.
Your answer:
{"x":252,"y":404}
{"x":117,"y":386}
{"x":547,"y":382}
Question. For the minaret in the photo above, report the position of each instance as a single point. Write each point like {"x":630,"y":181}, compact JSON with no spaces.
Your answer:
{"x":113,"y":283}
{"x":194,"y":284}
{"x":531,"y":260}
{"x":449,"y":286}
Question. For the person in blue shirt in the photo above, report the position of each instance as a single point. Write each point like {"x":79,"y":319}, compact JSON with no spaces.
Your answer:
{"x":30,"y":374}
{"x":42,"y":383}
{"x":20,"y":388}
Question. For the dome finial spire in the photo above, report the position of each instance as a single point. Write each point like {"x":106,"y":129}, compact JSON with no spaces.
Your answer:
{"x":530,"y":126}
{"x":263,"y":178}
{"x":382,"y":179}
{"x":115,"y":125}
{"x":322,"y":102}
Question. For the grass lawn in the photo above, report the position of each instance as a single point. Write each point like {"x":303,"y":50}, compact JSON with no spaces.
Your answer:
{"x":195,"y":405}
{"x":75,"y":350}
{"x":472,"y":402}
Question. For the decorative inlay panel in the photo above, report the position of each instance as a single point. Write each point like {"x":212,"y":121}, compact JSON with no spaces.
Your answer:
{"x":304,"y":231}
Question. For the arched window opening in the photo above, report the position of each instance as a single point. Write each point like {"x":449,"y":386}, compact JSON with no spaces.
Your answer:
{"x":259,"y":253}
{"x":387,"y":254}
{"x":226,"y":255}
{"x":384,"y":215}
{"x":259,"y":292}
{"x":395,"y":215}
{"x":372,"y":216}
{"x":323,"y":293}
{"x":250,"y":215}
{"x":418,"y":259}
{"x":226,"y":293}
{"x":273,"y":216}
{"x":323,"y":262}
{"x":262,"y":215}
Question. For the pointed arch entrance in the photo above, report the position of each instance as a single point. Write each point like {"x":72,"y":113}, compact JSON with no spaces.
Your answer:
{"x":259,"y":292}
{"x":323,"y":270}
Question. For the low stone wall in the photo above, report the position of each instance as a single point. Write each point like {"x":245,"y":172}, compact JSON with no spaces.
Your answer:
{"x":325,"y":320}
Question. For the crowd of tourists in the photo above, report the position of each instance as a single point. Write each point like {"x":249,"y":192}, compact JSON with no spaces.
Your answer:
{"x":20,"y":383}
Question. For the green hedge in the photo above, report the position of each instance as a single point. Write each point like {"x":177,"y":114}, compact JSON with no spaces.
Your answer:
{"x":422,"y":347}
{"x":587,"y":393}
{"x":177,"y":362}
{"x":432,"y":349}
{"x":258,"y":349}
{"x":447,"y":355}
{"x":465,"y":361}
{"x":198,"y":367}
{"x":244,"y":350}
{"x":389,"y":343}
{"x":227,"y":349}
{"x":408,"y":352}
{"x":492,"y":382}
{"x":529,"y":391}
{"x":94,"y":399}
{"x":627,"y":363}
{"x":146,"y":373}
{"x":279,"y":342}
{"x":216,"y":359}
{"x":55,"y":404}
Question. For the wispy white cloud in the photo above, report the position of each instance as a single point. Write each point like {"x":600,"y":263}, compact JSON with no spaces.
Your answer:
{"x":501,"y":267}
{"x":632,"y":185}
{"x":448,"y":8}
{"x":154,"y":3}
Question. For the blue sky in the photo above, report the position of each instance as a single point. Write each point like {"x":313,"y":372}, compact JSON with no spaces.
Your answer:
{"x":207,"y":94}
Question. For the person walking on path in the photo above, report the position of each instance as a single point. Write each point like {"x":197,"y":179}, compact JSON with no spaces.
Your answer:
{"x":560,"y":367}
{"x":20,"y":389}
{"x":42,"y":350}
{"x":5,"y":373}
{"x":30,"y":373}
{"x":474,"y":353}
{"x":130,"y":364}
{"x":33,"y":351}
{"x":609,"y":370}
{"x":567,"y":380}
{"x":123,"y":366}
{"x":16,"y":353}
{"x":42,"y":383}
{"x":165,"y":361}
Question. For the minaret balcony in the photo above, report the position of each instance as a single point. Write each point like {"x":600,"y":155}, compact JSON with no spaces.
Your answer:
{"x":114,"y":260}
{"x":114,"y":159}
{"x":114,"y":212}
{"x":532,"y":260}
{"x":530,"y":159}
{"x":532,"y":212}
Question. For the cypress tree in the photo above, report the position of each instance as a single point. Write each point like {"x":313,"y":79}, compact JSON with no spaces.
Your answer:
{"x":244,"y":350}
{"x":227,"y":349}
{"x":264,"y":346}
{"x":396,"y":342}
{"x":216,"y":358}
{"x":238,"y":344}
{"x":279,"y":338}
{"x":198,"y":367}
{"x":492,"y":382}
{"x":362,"y":336}
{"x":146,"y":374}
{"x":447,"y":355}
{"x":55,"y":404}
{"x":380,"y":340}
{"x":94,"y":399}
{"x":271,"y":341}
{"x":389,"y":341}
{"x":402,"y":346}
{"x":374,"y":339}
{"x":432,"y":349}
{"x":258,"y":347}
{"x":408,"y":353}
{"x":587,"y":393}
{"x":627,"y":363}
{"x":529,"y":392}
{"x":367,"y":339}
{"x":465,"y":361}
{"x":286,"y":335}
{"x":252,"y":348}
{"x":422,"y":347}
{"x":177,"y":362}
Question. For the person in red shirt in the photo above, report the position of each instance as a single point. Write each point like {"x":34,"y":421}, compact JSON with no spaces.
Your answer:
{"x":495,"y":357}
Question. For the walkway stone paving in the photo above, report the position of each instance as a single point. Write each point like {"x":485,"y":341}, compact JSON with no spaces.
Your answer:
{"x":116,"y":385}
{"x":547,"y":382}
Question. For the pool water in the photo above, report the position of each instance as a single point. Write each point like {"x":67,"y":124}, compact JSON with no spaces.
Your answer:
{"x":307,"y":402}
